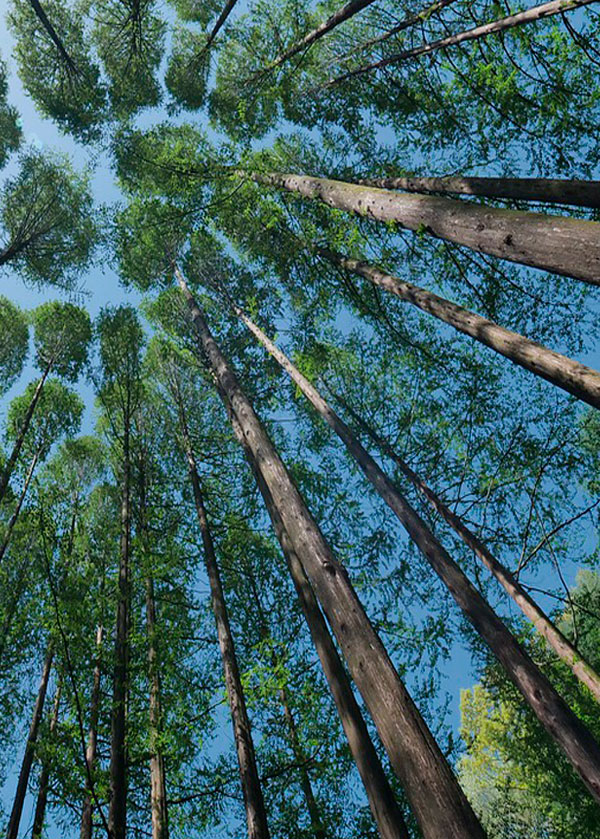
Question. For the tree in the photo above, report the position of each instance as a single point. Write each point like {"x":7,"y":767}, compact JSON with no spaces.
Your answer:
{"x":10,"y":131}
{"x":48,"y":226}
{"x":15,"y":343}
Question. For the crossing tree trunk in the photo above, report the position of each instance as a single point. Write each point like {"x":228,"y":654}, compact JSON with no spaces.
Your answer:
{"x":566,"y":246}
{"x":564,"y":372}
{"x":15,"y":516}
{"x":557,"y":718}
{"x":440,"y":806}
{"x":42,"y":799}
{"x":92,"y":743}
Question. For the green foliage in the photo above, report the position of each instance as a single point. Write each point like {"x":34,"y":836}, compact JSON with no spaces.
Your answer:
{"x":48,"y":222}
{"x":61,"y":334}
{"x":15,"y":343}
{"x":10,"y":129}
{"x":58,"y":414}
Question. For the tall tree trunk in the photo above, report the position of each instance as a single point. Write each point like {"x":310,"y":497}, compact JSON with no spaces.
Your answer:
{"x":546,"y":190}
{"x":256,"y":816}
{"x":220,"y":22}
{"x":52,"y":33}
{"x":439,"y":804}
{"x":562,"y":371}
{"x":557,"y":718}
{"x":566,"y":246}
{"x":382,"y":802}
{"x":561,"y":645}
{"x":554,"y":7}
{"x":347,"y":11}
{"x":309,"y":796}
{"x":18,"y":444}
{"x":117,"y":813}
{"x":158,"y":777}
{"x":15,"y":516}
{"x":42,"y":799}
{"x":92,"y":743}
{"x":38,"y":710}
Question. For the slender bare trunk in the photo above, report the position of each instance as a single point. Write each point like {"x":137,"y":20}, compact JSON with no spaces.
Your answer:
{"x":256,"y":816}
{"x":561,"y":645}
{"x":439,"y":804}
{"x":92,"y":743}
{"x":562,"y":371}
{"x":158,"y":776}
{"x":545,"y":190}
{"x":557,"y":718}
{"x":52,"y":33}
{"x":42,"y":799}
{"x":15,"y":516}
{"x":18,"y":445}
{"x":382,"y":802}
{"x":220,"y":22}
{"x":555,"y":7}
{"x":117,"y":814}
{"x":347,"y":11}
{"x":38,"y":710}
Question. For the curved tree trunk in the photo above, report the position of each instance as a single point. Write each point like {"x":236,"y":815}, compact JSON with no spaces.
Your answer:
{"x":566,"y":246}
{"x":554,"y":7}
{"x":439,"y":804}
{"x":38,"y":710}
{"x":92,"y":743}
{"x":560,"y":722}
{"x":559,"y":643}
{"x":42,"y":799}
{"x":545,"y":190}
{"x":256,"y":816}
{"x":562,"y":371}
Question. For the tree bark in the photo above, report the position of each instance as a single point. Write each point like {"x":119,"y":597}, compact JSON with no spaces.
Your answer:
{"x":18,"y":444}
{"x":92,"y":743}
{"x":439,"y":804}
{"x":42,"y":799}
{"x":560,"y":722}
{"x":256,"y":816}
{"x":382,"y":802}
{"x":220,"y":22}
{"x":15,"y":516}
{"x":117,"y":813}
{"x":554,"y":637}
{"x":560,"y":370}
{"x":566,"y":246}
{"x":347,"y":11}
{"x":546,"y":190}
{"x":38,"y":710}
{"x":158,"y":776}
{"x":545,"y":10}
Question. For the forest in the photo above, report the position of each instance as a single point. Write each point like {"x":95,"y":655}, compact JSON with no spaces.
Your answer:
{"x":299,"y":452}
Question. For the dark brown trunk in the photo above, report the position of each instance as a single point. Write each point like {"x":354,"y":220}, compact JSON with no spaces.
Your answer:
{"x":38,"y":710}
{"x":562,"y":371}
{"x":158,"y":777}
{"x":42,"y":799}
{"x":220,"y":22}
{"x":439,"y":804}
{"x":545,"y":10}
{"x":382,"y":802}
{"x":561,"y":645}
{"x":256,"y":816}
{"x":15,"y":516}
{"x":18,"y":445}
{"x":92,"y":743}
{"x":117,"y":814}
{"x":559,"y":721}
{"x":545,"y":190}
{"x":43,"y":18}
{"x":566,"y":246}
